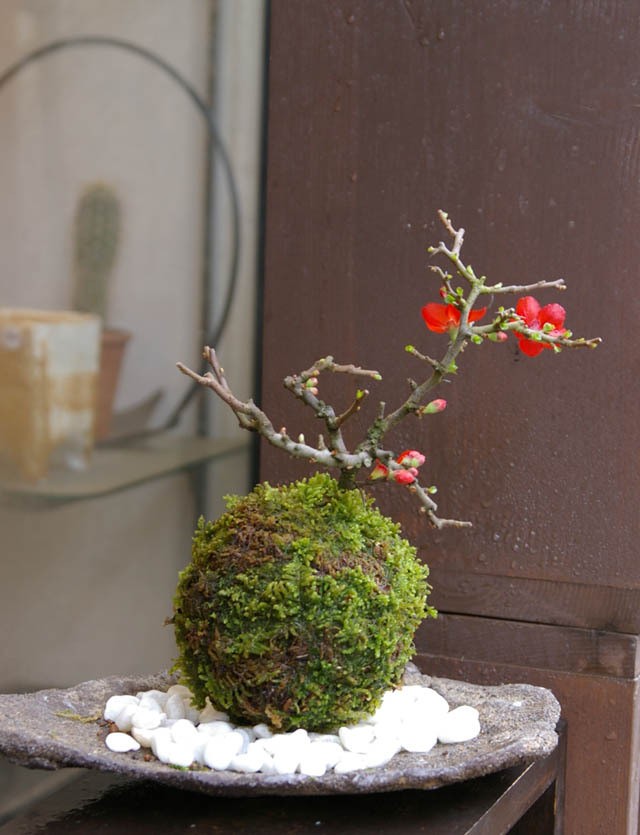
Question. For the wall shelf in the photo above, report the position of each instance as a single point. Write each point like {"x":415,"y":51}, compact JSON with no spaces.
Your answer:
{"x":112,"y":469}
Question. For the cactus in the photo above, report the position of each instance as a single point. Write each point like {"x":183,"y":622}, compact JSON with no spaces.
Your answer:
{"x":97,"y":230}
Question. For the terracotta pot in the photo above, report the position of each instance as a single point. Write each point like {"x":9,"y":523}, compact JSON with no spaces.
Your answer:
{"x":113,"y":345}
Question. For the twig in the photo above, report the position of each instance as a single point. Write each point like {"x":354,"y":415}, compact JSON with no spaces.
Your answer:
{"x":558,"y":284}
{"x":353,"y":408}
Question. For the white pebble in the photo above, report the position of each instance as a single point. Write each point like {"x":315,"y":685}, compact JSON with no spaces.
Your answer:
{"x":216,"y":728}
{"x":267,"y":766}
{"x":115,"y":704}
{"x":124,"y":719}
{"x":143,"y":735}
{"x":460,"y":725}
{"x":299,"y":737}
{"x":191,"y":713}
{"x":219,"y":751}
{"x":210,"y":714}
{"x":411,"y":692}
{"x":313,"y":761}
{"x":430,"y":702}
{"x":350,"y":761}
{"x":250,"y":761}
{"x":411,"y":718}
{"x":180,"y":754}
{"x":152,"y":704}
{"x":418,"y":739}
{"x":381,"y":752}
{"x":161,"y":743}
{"x":184,"y":732}
{"x":121,"y":743}
{"x":248,"y":736}
{"x":329,"y":750}
{"x":389,"y":709}
{"x":316,"y":737}
{"x":388,"y":733}
{"x":262,"y":731}
{"x":357,"y":738}
{"x":175,"y":707}
{"x":180,"y":690}
{"x":198,"y":748}
{"x":144,"y":717}
{"x":286,"y":742}
{"x":287,"y":760}
{"x":149,"y":698}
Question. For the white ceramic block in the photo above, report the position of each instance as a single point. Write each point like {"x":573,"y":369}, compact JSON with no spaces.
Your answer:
{"x":48,"y":385}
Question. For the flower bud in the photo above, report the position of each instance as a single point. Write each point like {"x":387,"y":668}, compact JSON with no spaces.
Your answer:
{"x":500,"y":336}
{"x":379,"y":471}
{"x":405,"y":476}
{"x":411,"y":458}
{"x":435,"y":406}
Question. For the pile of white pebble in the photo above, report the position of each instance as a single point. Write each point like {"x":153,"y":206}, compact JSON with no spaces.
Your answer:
{"x":412,"y":718}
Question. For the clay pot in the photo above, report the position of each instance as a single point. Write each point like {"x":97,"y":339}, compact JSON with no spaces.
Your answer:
{"x":114,"y":342}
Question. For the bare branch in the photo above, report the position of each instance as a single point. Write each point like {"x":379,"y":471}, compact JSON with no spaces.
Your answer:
{"x":328,"y":364}
{"x":414,"y":352}
{"x":429,"y":507}
{"x":353,"y":408}
{"x":456,"y":234}
{"x":496,"y":289}
{"x":245,"y":412}
{"x":251,"y":417}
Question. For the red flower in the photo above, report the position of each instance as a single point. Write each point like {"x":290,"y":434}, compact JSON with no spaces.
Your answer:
{"x":535,"y":318}
{"x":405,"y":476}
{"x":441,"y":318}
{"x":411,"y":458}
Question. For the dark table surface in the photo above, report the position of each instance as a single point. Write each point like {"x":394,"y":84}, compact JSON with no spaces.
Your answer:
{"x":101,"y":803}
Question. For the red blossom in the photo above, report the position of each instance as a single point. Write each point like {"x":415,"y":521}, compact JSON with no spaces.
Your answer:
{"x":405,"y":476}
{"x":411,"y":458}
{"x":441,"y":318}
{"x":535,"y":318}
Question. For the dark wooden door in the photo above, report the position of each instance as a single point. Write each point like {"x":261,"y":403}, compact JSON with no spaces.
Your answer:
{"x":522,"y":120}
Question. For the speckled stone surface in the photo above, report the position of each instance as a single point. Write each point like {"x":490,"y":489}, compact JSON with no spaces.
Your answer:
{"x":60,"y":728}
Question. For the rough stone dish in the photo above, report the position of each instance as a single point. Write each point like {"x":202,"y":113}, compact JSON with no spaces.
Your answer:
{"x":54,"y":729}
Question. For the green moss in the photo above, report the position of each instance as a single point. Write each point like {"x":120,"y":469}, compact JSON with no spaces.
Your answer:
{"x":299,"y":606}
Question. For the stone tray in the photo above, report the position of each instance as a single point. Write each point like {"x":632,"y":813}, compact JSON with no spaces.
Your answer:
{"x":54,"y":729}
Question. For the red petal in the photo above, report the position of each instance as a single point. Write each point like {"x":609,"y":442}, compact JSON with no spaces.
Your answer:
{"x":530,"y":347}
{"x":404,"y":476}
{"x":477,"y":314}
{"x":529,"y":309}
{"x":379,"y":471}
{"x":438,"y":317}
{"x":554,"y":314}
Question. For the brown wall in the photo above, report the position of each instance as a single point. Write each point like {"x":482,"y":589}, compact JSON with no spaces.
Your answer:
{"x":522,"y":120}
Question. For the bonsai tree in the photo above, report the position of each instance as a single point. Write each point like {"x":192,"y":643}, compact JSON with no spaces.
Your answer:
{"x":300,"y":604}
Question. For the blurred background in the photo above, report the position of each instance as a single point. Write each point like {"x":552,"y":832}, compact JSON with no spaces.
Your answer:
{"x":86,"y":584}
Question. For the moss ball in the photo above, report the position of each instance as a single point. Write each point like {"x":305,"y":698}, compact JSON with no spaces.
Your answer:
{"x":299,"y":606}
